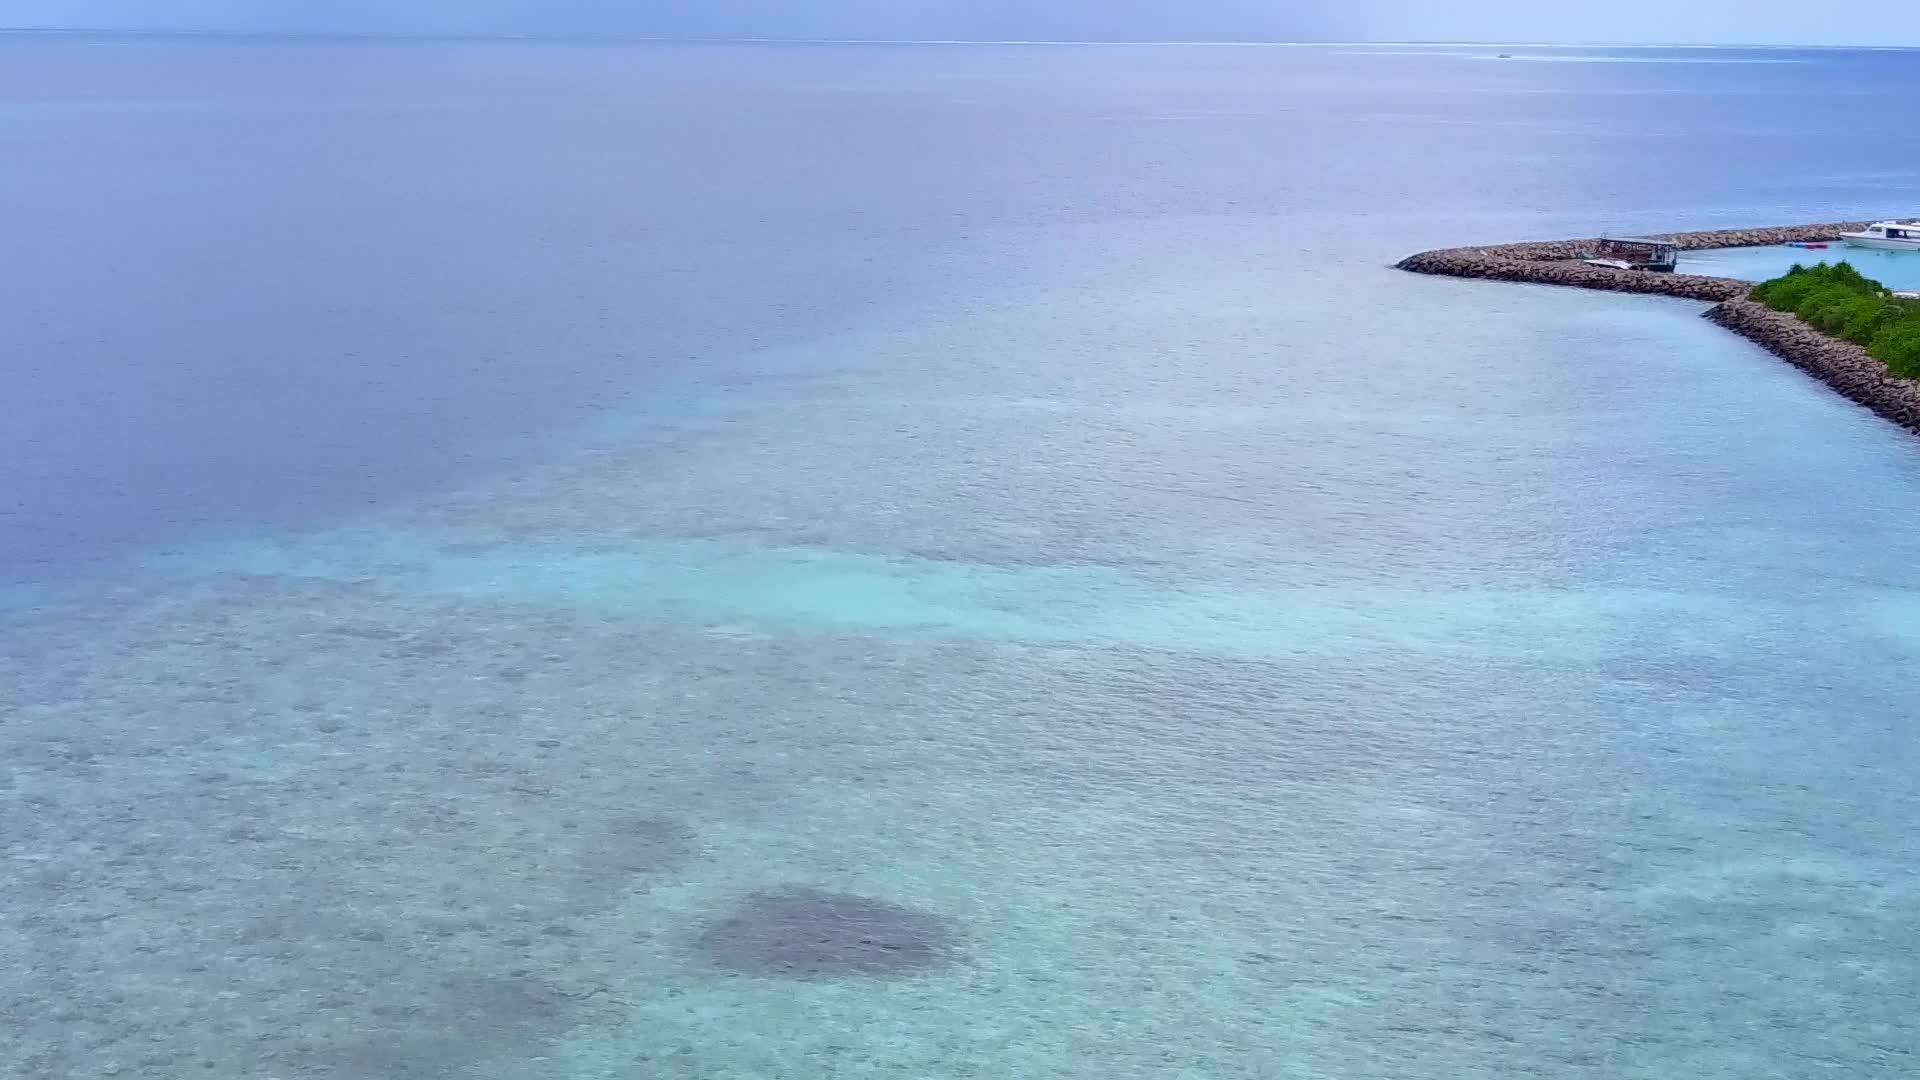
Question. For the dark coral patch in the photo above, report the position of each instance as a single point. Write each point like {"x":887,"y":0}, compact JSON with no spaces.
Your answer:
{"x":808,"y":934}
{"x":440,"y":1032}
{"x":634,"y":845}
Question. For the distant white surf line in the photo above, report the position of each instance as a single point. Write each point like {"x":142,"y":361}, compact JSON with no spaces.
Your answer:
{"x":1005,"y":41}
{"x":538,"y":39}
{"x":1421,"y":45}
{"x":1538,"y":59}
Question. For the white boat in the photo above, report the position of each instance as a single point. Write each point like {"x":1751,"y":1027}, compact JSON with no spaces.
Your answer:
{"x":1887,"y":236}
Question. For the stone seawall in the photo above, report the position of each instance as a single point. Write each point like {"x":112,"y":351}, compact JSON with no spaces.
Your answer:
{"x":1483,"y":263}
{"x":1555,"y":262}
{"x":1842,"y":365}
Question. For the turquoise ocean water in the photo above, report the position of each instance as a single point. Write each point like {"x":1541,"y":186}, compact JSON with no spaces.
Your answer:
{"x":1894,"y":269}
{"x":613,"y":562}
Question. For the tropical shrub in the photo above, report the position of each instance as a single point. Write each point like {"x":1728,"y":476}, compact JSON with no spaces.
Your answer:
{"x":1898,"y":344}
{"x":1841,"y":301}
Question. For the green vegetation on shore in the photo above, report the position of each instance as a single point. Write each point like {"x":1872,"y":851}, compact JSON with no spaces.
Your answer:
{"x":1840,"y":301}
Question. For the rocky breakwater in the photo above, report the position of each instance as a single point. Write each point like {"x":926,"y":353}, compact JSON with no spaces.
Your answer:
{"x":1842,"y":365}
{"x":1491,"y":265}
{"x":1557,"y":262}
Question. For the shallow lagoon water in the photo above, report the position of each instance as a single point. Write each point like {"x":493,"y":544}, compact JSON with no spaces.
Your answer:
{"x":1894,"y":269}
{"x":1149,"y":637}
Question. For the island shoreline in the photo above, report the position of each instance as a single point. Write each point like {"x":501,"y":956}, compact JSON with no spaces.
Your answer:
{"x":1842,"y":365}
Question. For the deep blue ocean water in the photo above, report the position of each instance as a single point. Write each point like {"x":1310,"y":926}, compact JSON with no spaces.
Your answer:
{"x":561,"y":561}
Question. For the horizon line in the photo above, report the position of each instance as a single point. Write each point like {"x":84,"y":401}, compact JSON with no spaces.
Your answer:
{"x":617,"y":39}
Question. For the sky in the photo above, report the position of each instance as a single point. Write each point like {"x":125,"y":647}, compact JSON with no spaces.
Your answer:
{"x":1895,"y":22}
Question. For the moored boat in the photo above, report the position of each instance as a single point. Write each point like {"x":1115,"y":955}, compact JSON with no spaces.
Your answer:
{"x":1634,"y":253}
{"x":1886,"y":236}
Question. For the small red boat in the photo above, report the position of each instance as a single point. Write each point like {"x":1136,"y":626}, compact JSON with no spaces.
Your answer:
{"x":1818,"y":245}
